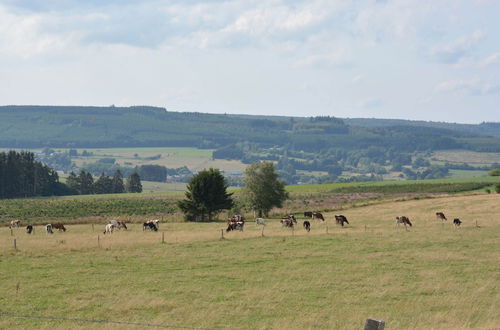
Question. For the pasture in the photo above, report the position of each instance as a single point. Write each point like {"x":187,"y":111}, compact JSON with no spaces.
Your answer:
{"x":431,"y":276}
{"x":195,"y":159}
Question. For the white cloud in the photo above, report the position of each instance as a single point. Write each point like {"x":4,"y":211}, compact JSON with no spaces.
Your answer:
{"x":472,"y":87}
{"x":490,"y":60}
{"x":456,"y":50}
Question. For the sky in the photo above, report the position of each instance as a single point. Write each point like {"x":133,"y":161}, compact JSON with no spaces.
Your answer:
{"x":433,"y":60}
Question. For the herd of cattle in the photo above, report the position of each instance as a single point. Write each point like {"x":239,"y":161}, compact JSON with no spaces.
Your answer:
{"x":237,"y":222}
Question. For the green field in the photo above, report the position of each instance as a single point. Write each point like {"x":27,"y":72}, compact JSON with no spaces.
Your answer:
{"x":195,"y":159}
{"x":431,"y":276}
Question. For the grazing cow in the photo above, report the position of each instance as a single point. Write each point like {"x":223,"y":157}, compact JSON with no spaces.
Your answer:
{"x":48,"y":229}
{"x":15,"y":223}
{"x":109,"y":228}
{"x":440,"y":216}
{"x":404,"y":220}
{"x":149,"y":225}
{"x":308,"y":214}
{"x":118,"y":224}
{"x":317,"y":215}
{"x":307,"y":225}
{"x":288,"y":221}
{"x":29,"y":229}
{"x":237,"y":222}
{"x":260,"y":221}
{"x":340,"y":219}
{"x":457,"y":222}
{"x":59,"y":226}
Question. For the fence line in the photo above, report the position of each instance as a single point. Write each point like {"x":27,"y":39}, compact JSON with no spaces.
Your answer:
{"x":99,"y":321}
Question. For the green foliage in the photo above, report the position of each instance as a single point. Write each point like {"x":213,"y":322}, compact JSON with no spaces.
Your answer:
{"x":206,"y":196}
{"x":134,"y":183}
{"x":103,"y":185}
{"x":118,"y":186}
{"x":263,"y":189}
{"x":497,"y":187}
{"x":22,"y":176}
{"x":494,"y":172}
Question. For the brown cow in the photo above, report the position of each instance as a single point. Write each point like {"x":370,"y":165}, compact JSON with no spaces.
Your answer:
{"x":59,"y":226}
{"x":440,"y":216}
{"x":317,"y":215}
{"x":404,"y":220}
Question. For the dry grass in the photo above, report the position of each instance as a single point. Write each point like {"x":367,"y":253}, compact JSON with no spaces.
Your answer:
{"x":432,"y":276}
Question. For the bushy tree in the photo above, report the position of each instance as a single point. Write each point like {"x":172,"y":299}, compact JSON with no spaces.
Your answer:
{"x":134,"y":184}
{"x":206,"y":196}
{"x":263,"y":188}
{"x":497,"y":187}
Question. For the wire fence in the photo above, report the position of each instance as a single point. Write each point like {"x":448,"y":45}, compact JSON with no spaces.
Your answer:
{"x":83,"y":320}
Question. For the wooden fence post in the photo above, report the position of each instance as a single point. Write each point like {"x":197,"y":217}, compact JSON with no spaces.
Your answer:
{"x":163,"y":237}
{"x":15,"y":244}
{"x":92,"y":227}
{"x":222,"y":234}
{"x":327,"y":229}
{"x":98,"y":241}
{"x":262,"y":233}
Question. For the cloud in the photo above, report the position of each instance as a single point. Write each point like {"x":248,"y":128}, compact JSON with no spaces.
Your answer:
{"x":456,"y":50}
{"x":472,"y":87}
{"x":490,"y":60}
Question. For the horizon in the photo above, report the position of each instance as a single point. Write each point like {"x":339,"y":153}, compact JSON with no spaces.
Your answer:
{"x":247,"y":114}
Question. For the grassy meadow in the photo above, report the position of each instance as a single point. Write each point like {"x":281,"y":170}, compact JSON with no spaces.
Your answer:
{"x":431,"y":276}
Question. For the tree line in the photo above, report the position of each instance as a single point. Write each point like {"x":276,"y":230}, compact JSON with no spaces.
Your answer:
{"x":22,"y":176}
{"x":84,"y":183}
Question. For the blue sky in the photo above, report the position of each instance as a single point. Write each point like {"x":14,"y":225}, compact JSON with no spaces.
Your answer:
{"x":413,"y":59}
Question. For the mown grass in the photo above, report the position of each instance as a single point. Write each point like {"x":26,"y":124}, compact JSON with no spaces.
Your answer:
{"x":429,"y":277}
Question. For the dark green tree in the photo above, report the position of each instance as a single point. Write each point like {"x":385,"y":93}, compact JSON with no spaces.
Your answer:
{"x":263,"y":188}
{"x":103,"y":185}
{"x":86,"y":183}
{"x":118,"y":186}
{"x":206,"y":196}
{"x":73,"y":181}
{"x":134,"y":184}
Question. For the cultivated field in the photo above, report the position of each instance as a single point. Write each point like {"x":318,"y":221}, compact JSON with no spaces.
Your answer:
{"x":431,"y":276}
{"x":194,"y":159}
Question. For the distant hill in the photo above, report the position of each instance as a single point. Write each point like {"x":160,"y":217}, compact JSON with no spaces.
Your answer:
{"x":348,"y":147}
{"x":487,"y":128}
{"x":76,"y":126}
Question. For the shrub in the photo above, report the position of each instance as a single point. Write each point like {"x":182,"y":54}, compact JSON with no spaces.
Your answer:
{"x":497,"y":187}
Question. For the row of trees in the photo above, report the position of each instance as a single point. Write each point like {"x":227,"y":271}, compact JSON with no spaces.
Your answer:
{"x":84,"y":183}
{"x":22,"y":176}
{"x":207,"y":194}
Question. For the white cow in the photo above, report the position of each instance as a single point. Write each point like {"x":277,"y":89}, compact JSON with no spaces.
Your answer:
{"x":109,"y":228}
{"x":260,"y":221}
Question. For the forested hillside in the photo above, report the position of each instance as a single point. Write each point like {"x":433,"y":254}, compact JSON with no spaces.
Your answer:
{"x":327,"y":144}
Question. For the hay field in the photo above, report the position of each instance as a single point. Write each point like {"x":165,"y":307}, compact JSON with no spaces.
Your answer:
{"x":195,"y":159}
{"x":431,"y":276}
